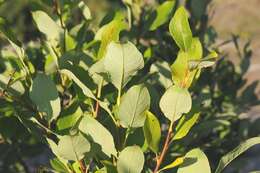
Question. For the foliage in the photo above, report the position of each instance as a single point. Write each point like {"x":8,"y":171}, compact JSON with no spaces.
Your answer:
{"x":141,"y":92}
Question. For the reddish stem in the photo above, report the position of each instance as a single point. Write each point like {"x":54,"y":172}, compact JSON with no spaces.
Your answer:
{"x":165,"y":148}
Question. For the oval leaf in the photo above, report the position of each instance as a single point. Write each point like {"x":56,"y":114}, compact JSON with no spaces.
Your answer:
{"x":122,"y":61}
{"x":152,"y":131}
{"x":130,"y":160}
{"x":47,"y":26}
{"x":99,"y":134}
{"x":133,"y":106}
{"x":174,"y":102}
{"x":44,"y":94}
{"x":195,"y":161}
{"x":70,"y":147}
{"x":180,"y":29}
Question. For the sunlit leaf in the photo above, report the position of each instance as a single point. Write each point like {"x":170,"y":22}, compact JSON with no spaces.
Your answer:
{"x":133,"y":107}
{"x":174,"y":164}
{"x":122,"y":61}
{"x":195,"y":161}
{"x":162,"y":14}
{"x":174,"y":102}
{"x":70,"y":147}
{"x":180,"y":29}
{"x":152,"y":131}
{"x":130,"y":160}
{"x":99,"y":134}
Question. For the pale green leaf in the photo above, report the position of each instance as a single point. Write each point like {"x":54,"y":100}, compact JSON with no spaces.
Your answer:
{"x":48,"y":26}
{"x":85,"y":10}
{"x":70,"y":147}
{"x":174,"y":102}
{"x":108,"y":33}
{"x":195,"y":161}
{"x":133,"y":107}
{"x":87,"y":92}
{"x":130,"y":160}
{"x":180,"y":29}
{"x":152,"y":131}
{"x":99,"y":134}
{"x":162,"y":14}
{"x":184,"y":125}
{"x":122,"y":61}
{"x":225,"y":160}
{"x":44,"y":95}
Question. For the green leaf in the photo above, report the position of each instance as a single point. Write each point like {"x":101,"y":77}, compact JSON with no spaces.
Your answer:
{"x":48,"y":26}
{"x":181,"y":73}
{"x":15,"y":88}
{"x":44,"y":95}
{"x":108,"y":33}
{"x":59,"y":166}
{"x":180,"y":29}
{"x":85,"y":10}
{"x":69,"y":117}
{"x":70,"y":147}
{"x":87,"y":92}
{"x":195,"y":161}
{"x":162,"y":74}
{"x":130,"y":160}
{"x":174,"y":102}
{"x":163,"y":13}
{"x":99,"y":134}
{"x":152,"y":131}
{"x":225,"y":160}
{"x":184,"y":125}
{"x":122,"y":61}
{"x":174,"y":164}
{"x":133,"y":107}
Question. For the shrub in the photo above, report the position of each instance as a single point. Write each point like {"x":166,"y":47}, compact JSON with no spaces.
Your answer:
{"x":122,"y":99}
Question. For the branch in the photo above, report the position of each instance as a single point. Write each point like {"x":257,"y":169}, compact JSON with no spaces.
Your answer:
{"x":165,"y":148}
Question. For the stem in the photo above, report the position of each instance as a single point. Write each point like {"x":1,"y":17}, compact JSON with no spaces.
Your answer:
{"x":98,"y":96}
{"x":118,"y":97}
{"x":59,"y":13}
{"x":165,"y":148}
{"x":82,"y":166}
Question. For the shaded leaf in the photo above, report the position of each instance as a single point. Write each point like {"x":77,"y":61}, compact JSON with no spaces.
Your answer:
{"x":44,"y":95}
{"x":225,"y":160}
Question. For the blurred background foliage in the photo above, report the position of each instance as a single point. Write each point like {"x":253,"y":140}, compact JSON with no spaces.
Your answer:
{"x":223,"y":94}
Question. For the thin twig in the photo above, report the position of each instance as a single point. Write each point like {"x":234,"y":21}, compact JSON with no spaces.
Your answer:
{"x":165,"y":148}
{"x":82,"y":166}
